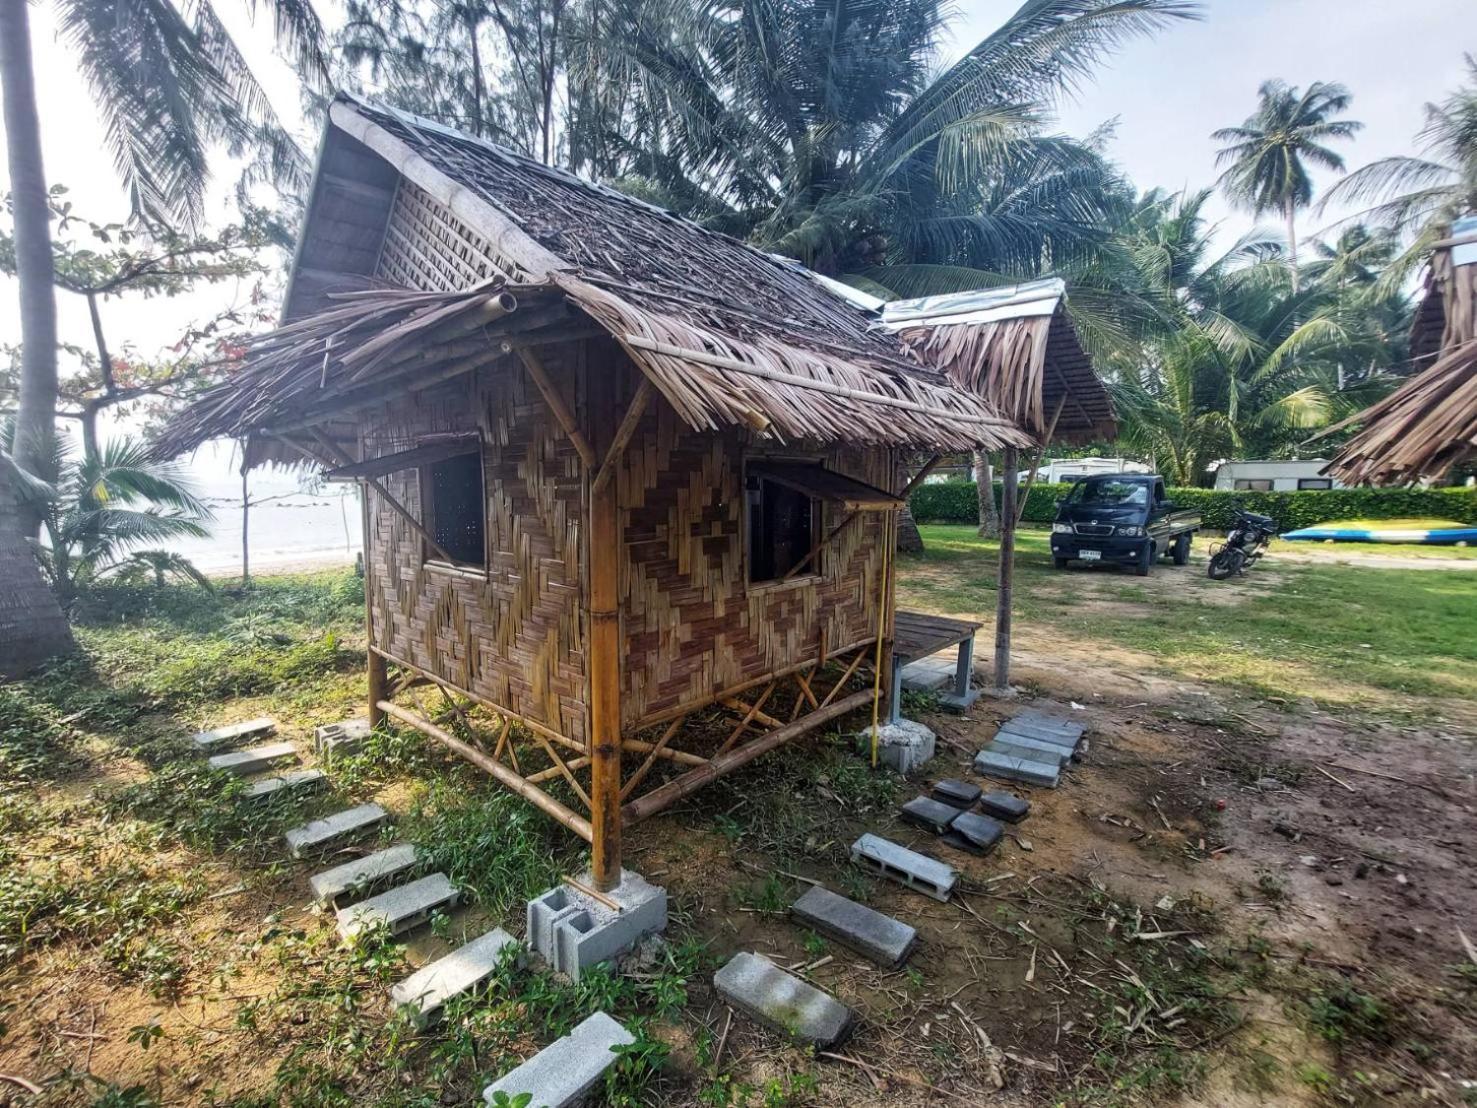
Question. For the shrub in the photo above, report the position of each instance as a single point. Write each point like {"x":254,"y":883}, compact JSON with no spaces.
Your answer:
{"x":955,"y":502}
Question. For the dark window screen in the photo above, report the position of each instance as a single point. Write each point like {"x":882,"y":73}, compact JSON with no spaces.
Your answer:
{"x":781,"y":529}
{"x":1315,"y":483}
{"x":1253,"y":484}
{"x":456,"y":508}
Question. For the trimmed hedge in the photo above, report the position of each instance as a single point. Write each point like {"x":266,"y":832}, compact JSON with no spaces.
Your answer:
{"x":955,"y":502}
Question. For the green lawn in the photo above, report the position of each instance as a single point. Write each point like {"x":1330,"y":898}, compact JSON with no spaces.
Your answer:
{"x":1342,"y":635}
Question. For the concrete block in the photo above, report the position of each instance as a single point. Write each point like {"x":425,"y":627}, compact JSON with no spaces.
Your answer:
{"x":930,"y":673}
{"x":902,"y":745}
{"x":931,"y":815}
{"x":1006,"y":806}
{"x":340,"y":738}
{"x":400,"y":909}
{"x":222,"y":737}
{"x":362,"y":873}
{"x":767,"y":994}
{"x":243,"y":763}
{"x":297,"y":780}
{"x":956,"y":794}
{"x":884,"y":940}
{"x":1020,"y":747}
{"x":426,"y":990}
{"x":1003,"y":767}
{"x":1034,"y":724}
{"x":907,"y":867}
{"x":333,"y":829}
{"x":564,"y":1072}
{"x":974,"y":833}
{"x":572,"y":931}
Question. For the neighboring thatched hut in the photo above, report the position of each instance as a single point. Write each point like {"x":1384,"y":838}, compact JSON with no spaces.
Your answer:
{"x":629,"y":485}
{"x":1016,"y":348}
{"x":1429,"y":424}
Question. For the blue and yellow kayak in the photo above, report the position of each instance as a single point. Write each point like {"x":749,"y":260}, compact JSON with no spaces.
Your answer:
{"x":1432,"y":536}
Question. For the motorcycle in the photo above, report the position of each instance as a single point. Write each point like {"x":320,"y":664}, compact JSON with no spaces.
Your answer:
{"x":1243,"y":547}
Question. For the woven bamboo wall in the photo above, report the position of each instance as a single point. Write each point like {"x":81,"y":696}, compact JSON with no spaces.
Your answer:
{"x":692,"y":624}
{"x":428,"y":247}
{"x":514,"y":636}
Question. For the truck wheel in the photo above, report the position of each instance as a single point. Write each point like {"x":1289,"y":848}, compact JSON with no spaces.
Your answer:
{"x":1145,"y":563}
{"x":1181,"y":551}
{"x":1061,"y":563}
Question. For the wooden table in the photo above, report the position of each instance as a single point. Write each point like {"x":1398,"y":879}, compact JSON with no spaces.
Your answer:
{"x":917,"y":635}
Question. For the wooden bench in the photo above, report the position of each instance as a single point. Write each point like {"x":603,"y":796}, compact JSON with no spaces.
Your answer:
{"x":917,"y":635}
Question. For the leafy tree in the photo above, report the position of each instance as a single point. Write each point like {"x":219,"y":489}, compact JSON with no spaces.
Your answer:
{"x":1418,"y":197}
{"x":104,"y":508}
{"x":1267,"y":157}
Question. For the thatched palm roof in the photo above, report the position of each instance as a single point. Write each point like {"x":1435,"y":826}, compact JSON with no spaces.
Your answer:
{"x":1428,"y":424}
{"x":1016,"y":348}
{"x":727,"y":334}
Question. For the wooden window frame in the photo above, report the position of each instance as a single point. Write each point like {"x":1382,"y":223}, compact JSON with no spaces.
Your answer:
{"x":428,"y":519}
{"x":815,"y":572}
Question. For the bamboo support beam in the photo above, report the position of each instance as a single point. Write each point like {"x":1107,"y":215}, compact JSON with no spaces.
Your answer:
{"x":692,"y":781}
{"x":918,"y":478}
{"x":733,"y":736}
{"x":810,"y":554}
{"x":623,"y":435}
{"x":555,"y":771}
{"x":845,"y":677}
{"x":604,"y":661}
{"x":636,"y":746}
{"x":656,"y":750}
{"x":1040,"y":454}
{"x":1005,"y":572}
{"x":555,"y":400}
{"x":532,"y":793}
{"x":737,"y":705}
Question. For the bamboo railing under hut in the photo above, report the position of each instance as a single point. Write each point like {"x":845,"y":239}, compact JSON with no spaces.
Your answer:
{"x":629,"y":485}
{"x":1429,"y":424}
{"x":1017,"y":349}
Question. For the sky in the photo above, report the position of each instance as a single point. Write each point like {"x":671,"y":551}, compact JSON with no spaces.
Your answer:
{"x":1167,"y":94}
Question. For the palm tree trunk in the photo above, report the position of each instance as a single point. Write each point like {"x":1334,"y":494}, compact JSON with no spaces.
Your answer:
{"x":985,"y":488}
{"x":35,"y":422}
{"x":32,"y":627}
{"x":1292,"y":243}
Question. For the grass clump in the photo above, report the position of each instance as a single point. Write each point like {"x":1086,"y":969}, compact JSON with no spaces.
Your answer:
{"x":34,"y":744}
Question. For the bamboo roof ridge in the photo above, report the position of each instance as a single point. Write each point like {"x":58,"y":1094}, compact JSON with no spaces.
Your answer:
{"x":1016,"y":348}
{"x":1429,"y":424}
{"x":727,"y":334}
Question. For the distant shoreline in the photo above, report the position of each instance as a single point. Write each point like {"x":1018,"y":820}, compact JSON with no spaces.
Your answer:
{"x":284,"y":565}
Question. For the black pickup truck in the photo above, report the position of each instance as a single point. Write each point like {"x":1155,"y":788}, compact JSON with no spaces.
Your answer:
{"x":1123,"y":518}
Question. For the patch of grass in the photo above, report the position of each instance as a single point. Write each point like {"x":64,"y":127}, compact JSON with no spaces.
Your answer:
{"x":1341,"y":1013}
{"x":34,"y":744}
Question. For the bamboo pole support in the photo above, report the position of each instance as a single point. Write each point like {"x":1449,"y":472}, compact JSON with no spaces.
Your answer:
{"x":1006,"y":571}
{"x":604,"y":660}
{"x":555,"y":400}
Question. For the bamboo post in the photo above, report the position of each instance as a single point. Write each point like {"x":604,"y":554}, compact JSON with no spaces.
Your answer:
{"x":1006,"y":571}
{"x":605,"y":658}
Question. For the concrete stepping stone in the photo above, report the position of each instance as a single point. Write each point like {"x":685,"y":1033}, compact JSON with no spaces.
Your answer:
{"x":297,"y":780}
{"x":1038,"y":725}
{"x":222,"y":737}
{"x":907,"y":867}
{"x":340,"y":738}
{"x":564,"y":1072}
{"x":782,"y":1002}
{"x":928,"y":814}
{"x":400,"y":909}
{"x":254,"y":759}
{"x":884,"y":940}
{"x":974,"y":833}
{"x":1019,"y":747}
{"x":1006,"y":806}
{"x":362,"y":873}
{"x":956,"y":794}
{"x":429,"y":988}
{"x":335,"y":828}
{"x":1004,"y":767}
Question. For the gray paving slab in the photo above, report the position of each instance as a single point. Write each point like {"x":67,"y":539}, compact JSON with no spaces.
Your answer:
{"x":1003,"y":767}
{"x":884,"y":940}
{"x":362,"y":873}
{"x":782,"y":1002}
{"x":1020,"y":747}
{"x":956,"y":794}
{"x":564,"y":1072}
{"x":254,"y":759}
{"x":907,"y":867}
{"x":1037,"y":725}
{"x":1006,"y":806}
{"x":221,"y":737}
{"x":400,"y":909}
{"x":293,"y":781}
{"x":428,"y":989}
{"x":974,"y":833}
{"x":929,"y":814}
{"x":333,"y":829}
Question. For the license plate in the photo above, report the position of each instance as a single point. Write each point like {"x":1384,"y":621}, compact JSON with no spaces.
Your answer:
{"x":1091,"y":555}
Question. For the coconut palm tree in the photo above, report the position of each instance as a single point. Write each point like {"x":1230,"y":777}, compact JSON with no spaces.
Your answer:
{"x":1267,"y":157}
{"x":1418,"y":197}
